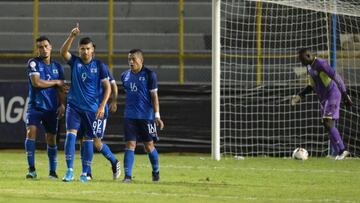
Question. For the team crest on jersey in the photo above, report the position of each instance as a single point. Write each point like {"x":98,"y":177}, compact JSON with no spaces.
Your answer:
{"x":55,"y":71}
{"x":93,"y":70}
{"x":127,"y":77}
{"x":141,"y":78}
{"x":33,"y":66}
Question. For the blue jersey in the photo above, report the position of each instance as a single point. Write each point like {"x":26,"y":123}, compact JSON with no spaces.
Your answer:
{"x":138,"y":88}
{"x":86,"y":82}
{"x":43,"y":98}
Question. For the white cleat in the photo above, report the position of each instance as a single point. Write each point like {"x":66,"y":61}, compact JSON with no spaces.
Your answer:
{"x":116,"y":168}
{"x":342,"y":156}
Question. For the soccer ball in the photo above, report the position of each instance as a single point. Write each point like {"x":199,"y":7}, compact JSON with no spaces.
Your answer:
{"x":300,"y":154}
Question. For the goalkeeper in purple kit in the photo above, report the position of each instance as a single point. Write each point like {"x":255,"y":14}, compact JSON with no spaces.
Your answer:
{"x":329,"y":88}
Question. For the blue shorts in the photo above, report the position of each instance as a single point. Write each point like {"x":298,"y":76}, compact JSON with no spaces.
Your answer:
{"x":81,"y":120}
{"x":40,"y":117}
{"x":140,"y":130}
{"x":100,"y":129}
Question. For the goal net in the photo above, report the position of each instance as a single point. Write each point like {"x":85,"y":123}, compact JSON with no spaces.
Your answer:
{"x":260,"y":72}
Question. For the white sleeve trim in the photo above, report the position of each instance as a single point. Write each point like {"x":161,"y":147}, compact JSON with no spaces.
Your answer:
{"x":105,"y":79}
{"x":112,"y":81}
{"x":154,"y":90}
{"x":34,"y":73}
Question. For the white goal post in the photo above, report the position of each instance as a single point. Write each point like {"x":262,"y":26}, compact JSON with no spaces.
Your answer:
{"x":256,"y":71}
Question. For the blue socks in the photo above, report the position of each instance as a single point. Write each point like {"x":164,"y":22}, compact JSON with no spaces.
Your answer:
{"x":88,"y":146}
{"x":30,"y":152}
{"x":52,"y":154}
{"x":128,"y":161}
{"x":105,"y":150}
{"x":154,"y":160}
{"x":69,"y":149}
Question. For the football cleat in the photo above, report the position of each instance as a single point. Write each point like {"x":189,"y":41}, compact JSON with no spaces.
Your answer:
{"x":83,"y":178}
{"x":89,"y":176}
{"x":156,"y":176}
{"x":127,"y":179}
{"x":69,"y":176}
{"x":116,"y":168}
{"x":342,"y":156}
{"x":31,"y":175}
{"x":53,"y":175}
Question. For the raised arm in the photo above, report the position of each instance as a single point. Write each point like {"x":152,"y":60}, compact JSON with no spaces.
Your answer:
{"x":64,"y":51}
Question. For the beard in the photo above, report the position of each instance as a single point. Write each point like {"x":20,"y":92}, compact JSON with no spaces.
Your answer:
{"x":45,"y":56}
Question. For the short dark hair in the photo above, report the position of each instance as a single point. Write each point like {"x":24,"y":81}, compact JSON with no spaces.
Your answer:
{"x":86,"y":40}
{"x":133,"y":51}
{"x":42,"y":38}
{"x":303,"y":50}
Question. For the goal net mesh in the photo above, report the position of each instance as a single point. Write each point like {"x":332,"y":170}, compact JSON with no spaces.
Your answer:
{"x":260,"y":71}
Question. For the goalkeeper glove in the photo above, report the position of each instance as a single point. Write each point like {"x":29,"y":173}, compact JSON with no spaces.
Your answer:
{"x":347,"y":99}
{"x":295,"y":99}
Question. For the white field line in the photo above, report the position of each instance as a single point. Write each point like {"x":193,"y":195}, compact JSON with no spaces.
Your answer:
{"x":254,"y":169}
{"x":179,"y":195}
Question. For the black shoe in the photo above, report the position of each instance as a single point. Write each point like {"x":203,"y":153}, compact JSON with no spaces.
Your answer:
{"x":127,"y":179}
{"x":53,"y":175}
{"x":89,"y":176}
{"x":156,"y":176}
{"x":116,"y":169}
{"x":31,"y":174}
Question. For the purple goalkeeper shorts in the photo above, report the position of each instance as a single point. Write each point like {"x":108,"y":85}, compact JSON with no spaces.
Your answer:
{"x":330,"y":107}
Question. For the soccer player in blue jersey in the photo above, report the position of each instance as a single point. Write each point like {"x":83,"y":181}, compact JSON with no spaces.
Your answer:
{"x":46,"y":104}
{"x":84,"y":107}
{"x":100,"y":131}
{"x":142,"y":113}
{"x":329,"y":88}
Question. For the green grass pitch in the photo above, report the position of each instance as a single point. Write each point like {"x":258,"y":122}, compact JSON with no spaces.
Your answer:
{"x":186,"y":178}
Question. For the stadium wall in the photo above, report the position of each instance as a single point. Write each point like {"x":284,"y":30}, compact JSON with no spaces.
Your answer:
{"x":185,"y":109}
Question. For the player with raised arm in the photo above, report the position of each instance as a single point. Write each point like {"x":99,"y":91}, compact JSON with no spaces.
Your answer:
{"x":142,"y":113}
{"x":84,"y":107}
{"x":329,"y":88}
{"x":100,"y":131}
{"x":46,"y":104}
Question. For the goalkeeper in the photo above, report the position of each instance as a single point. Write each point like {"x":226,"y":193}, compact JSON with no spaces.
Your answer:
{"x":329,"y":88}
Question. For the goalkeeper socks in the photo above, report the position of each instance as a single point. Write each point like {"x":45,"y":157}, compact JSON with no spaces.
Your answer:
{"x":105,"y":150}
{"x":154,"y":159}
{"x":336,"y":140}
{"x":52,"y":154}
{"x":129,"y":157}
{"x":88,"y":155}
{"x":30,"y":152}
{"x":69,"y":149}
